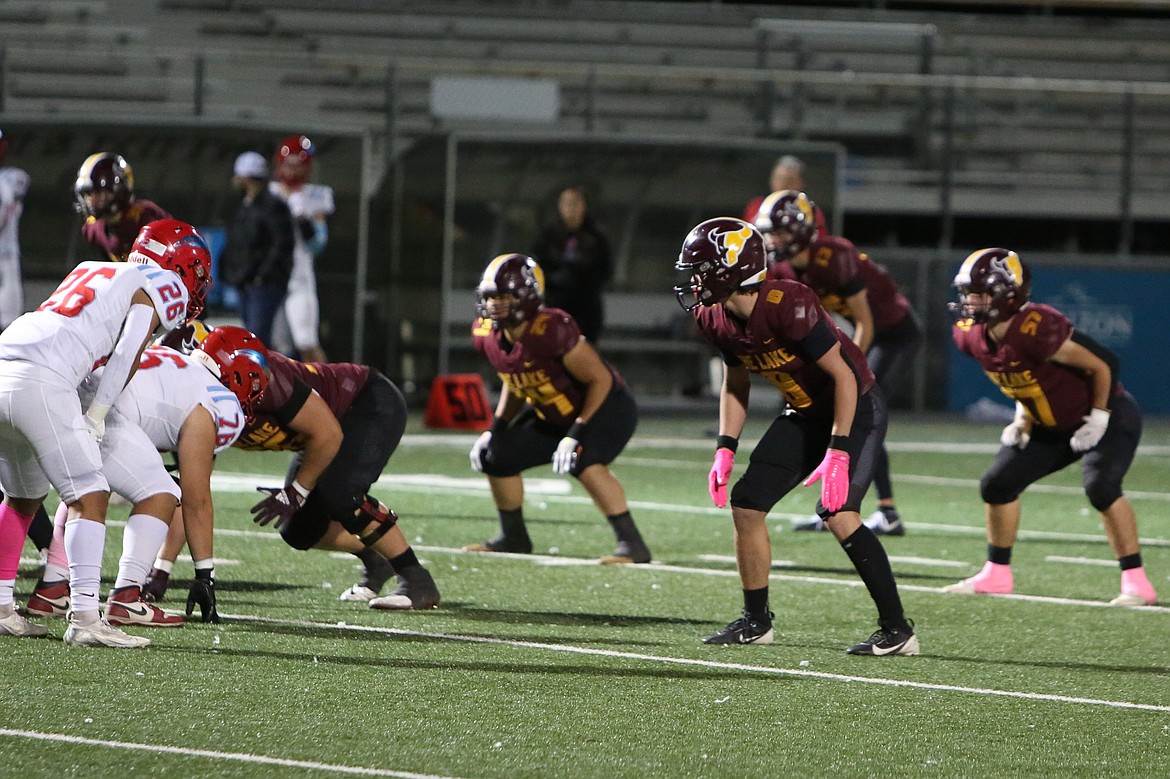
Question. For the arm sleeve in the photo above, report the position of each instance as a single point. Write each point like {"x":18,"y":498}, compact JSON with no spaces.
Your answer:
{"x":123,"y":358}
{"x":818,"y":342}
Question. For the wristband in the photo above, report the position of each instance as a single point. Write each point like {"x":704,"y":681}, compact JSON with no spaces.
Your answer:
{"x":498,"y":424}
{"x":840,"y":442}
{"x":300,"y":488}
{"x":726,"y":442}
{"x":576,"y":430}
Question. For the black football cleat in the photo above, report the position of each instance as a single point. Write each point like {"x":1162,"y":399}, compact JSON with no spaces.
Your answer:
{"x":745,"y":630}
{"x":502,"y":543}
{"x":888,"y":641}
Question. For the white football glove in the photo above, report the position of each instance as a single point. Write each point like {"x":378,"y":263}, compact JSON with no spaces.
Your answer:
{"x":565,"y":457}
{"x":478,"y":448}
{"x":1089,"y":434}
{"x":1016,"y":434}
{"x":95,"y":421}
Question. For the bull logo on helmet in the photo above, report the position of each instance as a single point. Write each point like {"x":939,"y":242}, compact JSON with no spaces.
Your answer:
{"x":1010,"y":266}
{"x":730,"y":243}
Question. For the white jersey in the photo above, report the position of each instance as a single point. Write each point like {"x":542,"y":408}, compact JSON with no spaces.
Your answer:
{"x":167,"y":387}
{"x":13,"y":188}
{"x":76,"y":329}
{"x":312,"y":201}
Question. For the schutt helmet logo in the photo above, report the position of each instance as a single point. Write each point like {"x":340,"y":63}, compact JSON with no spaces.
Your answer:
{"x":730,"y":243}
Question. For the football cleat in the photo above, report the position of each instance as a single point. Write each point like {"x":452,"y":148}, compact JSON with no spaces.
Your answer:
{"x":502,"y":543}
{"x":12,"y":624}
{"x":417,"y":592}
{"x":49,"y":600}
{"x":994,"y":579}
{"x":125,"y":606}
{"x":885,"y":522}
{"x":1136,"y":589}
{"x":888,"y":641}
{"x":359,"y":593}
{"x":627,"y":554}
{"x":812,"y":524}
{"x":745,"y":630}
{"x":95,"y":631}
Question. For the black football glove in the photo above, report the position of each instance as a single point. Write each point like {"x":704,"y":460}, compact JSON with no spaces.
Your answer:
{"x":203,"y":593}
{"x":281,"y":504}
{"x":156,"y":585}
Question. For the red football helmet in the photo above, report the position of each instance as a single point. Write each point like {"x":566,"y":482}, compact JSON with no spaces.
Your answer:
{"x":238,"y":359}
{"x":718,"y":257}
{"x":293,"y":160}
{"x":3,"y":147}
{"x":104,"y":185}
{"x":511,"y":289}
{"x":999,"y":274}
{"x":176,"y":246}
{"x":787,"y":218}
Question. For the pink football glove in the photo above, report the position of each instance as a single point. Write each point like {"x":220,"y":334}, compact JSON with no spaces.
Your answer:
{"x":834,"y":475}
{"x":720,"y":475}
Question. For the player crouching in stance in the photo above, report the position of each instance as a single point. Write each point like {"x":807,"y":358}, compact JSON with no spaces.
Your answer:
{"x":1069,"y":406}
{"x":831,"y":430}
{"x":343,"y":421}
{"x":561,"y":402}
{"x":102,"y":312}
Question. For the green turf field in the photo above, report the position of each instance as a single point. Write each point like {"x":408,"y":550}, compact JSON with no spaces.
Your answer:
{"x":553,"y":666}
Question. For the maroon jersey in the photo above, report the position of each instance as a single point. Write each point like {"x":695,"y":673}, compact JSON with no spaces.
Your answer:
{"x":533,"y":368}
{"x":782,"y":342}
{"x":1056,"y":396}
{"x":836,"y":270}
{"x":289,"y":385}
{"x":115,"y":239}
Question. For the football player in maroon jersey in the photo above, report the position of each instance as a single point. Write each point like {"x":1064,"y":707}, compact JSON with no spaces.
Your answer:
{"x":561,"y":402}
{"x":1069,"y":406}
{"x":831,"y":429}
{"x":104,"y":194}
{"x":342,"y":421}
{"x":885,"y":326}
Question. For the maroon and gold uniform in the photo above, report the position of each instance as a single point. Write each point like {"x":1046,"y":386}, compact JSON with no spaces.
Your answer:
{"x":289,"y":385}
{"x":837,"y":270}
{"x":114,"y":239}
{"x":532,"y":368}
{"x":772,"y":344}
{"x":1056,"y":396}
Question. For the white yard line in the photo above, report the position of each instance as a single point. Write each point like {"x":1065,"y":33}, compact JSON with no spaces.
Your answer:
{"x":1052,"y":558}
{"x":238,"y":757}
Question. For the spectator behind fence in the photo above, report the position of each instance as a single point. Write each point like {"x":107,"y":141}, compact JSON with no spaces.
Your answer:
{"x":787,"y":173}
{"x":258,"y":257}
{"x":104,"y":193}
{"x":577,"y":263}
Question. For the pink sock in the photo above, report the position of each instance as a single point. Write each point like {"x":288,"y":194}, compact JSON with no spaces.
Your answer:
{"x":57,"y":566}
{"x":13,"y":530}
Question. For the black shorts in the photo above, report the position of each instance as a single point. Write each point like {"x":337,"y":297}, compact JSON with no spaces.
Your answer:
{"x":1103,"y":467}
{"x":371,"y":430}
{"x":795,"y":445}
{"x":530,"y":441}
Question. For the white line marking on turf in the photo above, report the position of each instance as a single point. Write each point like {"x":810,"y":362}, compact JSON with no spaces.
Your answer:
{"x":726,"y":558}
{"x":1080,"y":561}
{"x":241,"y":757}
{"x":762,"y":669}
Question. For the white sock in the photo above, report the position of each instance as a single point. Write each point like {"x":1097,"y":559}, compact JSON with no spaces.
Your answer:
{"x":85,"y":541}
{"x":6,"y":586}
{"x":143,"y":537}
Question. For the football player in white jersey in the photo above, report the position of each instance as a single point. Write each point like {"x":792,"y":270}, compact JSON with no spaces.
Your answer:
{"x":13,"y":188}
{"x":297,"y":322}
{"x":171,"y":405}
{"x":102,"y":312}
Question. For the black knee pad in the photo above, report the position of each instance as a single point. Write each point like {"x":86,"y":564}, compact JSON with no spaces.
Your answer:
{"x":995,"y":492}
{"x":1102,"y":494}
{"x":371,"y":510}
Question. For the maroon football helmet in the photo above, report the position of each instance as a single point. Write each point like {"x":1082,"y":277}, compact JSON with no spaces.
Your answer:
{"x":176,"y":246}
{"x":998,"y":273}
{"x":238,"y":359}
{"x":511,"y":289}
{"x":104,"y":185}
{"x":293,"y":160}
{"x":789,"y":219}
{"x":718,"y":257}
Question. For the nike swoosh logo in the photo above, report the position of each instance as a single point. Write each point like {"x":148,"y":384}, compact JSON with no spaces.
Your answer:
{"x":57,"y":603}
{"x":529,"y":363}
{"x":140,"y":610}
{"x":877,"y":650}
{"x":767,"y":340}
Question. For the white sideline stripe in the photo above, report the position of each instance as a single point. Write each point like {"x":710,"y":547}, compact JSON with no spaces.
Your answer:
{"x":240,"y":757}
{"x":1052,"y":558}
{"x":726,"y":558}
{"x":465,"y":440}
{"x":579,"y":650}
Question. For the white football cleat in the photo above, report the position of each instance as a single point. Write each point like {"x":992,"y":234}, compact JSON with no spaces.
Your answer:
{"x":12,"y":624}
{"x":359,"y":593}
{"x":101,"y":633}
